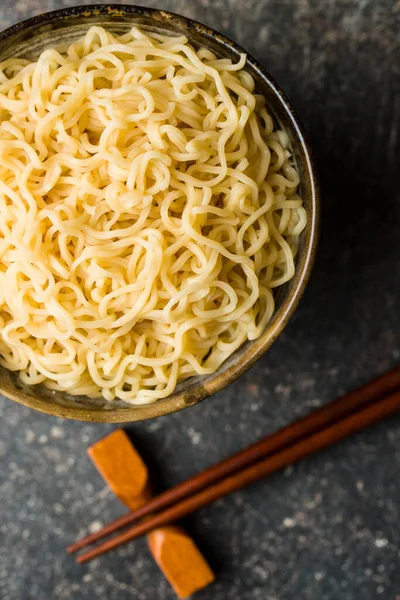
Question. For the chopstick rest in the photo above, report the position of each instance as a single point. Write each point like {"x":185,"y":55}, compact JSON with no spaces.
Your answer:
{"x":122,"y":468}
{"x":124,"y":471}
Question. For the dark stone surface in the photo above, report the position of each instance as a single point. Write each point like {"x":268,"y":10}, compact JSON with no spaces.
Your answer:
{"x":329,"y":527}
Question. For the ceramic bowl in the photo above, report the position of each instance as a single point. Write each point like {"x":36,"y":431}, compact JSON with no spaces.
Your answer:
{"x":28,"y":39}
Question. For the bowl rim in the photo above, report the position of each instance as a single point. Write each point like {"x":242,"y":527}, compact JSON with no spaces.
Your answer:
{"x":183,"y":399}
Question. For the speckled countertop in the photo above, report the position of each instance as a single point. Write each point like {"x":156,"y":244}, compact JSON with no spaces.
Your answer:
{"x":328,"y":528}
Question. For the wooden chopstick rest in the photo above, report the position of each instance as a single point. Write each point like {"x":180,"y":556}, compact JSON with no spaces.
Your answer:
{"x":179,"y":559}
{"x":172,"y":548}
{"x":122,"y":468}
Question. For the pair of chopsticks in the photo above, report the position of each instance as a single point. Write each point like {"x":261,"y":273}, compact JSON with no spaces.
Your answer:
{"x":325,"y":426}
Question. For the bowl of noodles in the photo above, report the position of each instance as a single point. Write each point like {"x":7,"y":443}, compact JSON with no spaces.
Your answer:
{"x":159,"y":212}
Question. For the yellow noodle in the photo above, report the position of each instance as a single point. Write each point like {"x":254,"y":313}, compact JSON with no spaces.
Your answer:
{"x":148,"y":209}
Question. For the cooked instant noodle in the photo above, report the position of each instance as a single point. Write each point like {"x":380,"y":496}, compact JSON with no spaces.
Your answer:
{"x":148,"y":209}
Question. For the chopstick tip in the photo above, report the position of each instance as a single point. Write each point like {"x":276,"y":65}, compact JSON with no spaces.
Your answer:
{"x":80,"y":560}
{"x":73,"y":548}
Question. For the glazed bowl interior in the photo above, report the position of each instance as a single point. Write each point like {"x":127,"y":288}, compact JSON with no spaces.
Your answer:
{"x":31,"y":37}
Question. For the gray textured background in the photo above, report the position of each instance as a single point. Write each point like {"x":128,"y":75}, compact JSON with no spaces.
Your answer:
{"x":330,"y":527}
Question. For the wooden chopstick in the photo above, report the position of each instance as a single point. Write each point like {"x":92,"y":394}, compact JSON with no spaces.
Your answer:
{"x":311,"y":423}
{"x":351,"y":424}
